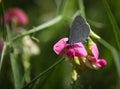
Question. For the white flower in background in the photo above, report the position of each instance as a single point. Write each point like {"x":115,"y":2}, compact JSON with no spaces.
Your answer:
{"x":30,"y":46}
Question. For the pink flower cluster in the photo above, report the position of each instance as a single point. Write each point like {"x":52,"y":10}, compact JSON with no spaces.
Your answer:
{"x":16,"y":14}
{"x":93,"y":57}
{"x":71,"y":50}
{"x":78,"y":50}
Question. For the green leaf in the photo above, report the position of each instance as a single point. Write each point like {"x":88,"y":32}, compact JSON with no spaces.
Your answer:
{"x":60,"y":6}
{"x":113,"y":23}
{"x":3,"y":20}
{"x":116,"y":56}
{"x":40,"y":27}
{"x":2,"y":55}
{"x":44,"y":72}
{"x":81,"y":8}
{"x":14,"y":63}
{"x":70,"y":8}
{"x":16,"y":72}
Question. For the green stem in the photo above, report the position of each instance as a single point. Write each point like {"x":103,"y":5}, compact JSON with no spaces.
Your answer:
{"x":81,"y":7}
{"x":41,"y":74}
{"x":3,"y":20}
{"x":115,"y":55}
{"x":43,"y":26}
{"x":2,"y":55}
{"x":14,"y":63}
{"x":26,"y":65}
{"x":82,"y":12}
{"x":60,"y":6}
{"x":113,"y":23}
{"x":15,"y":70}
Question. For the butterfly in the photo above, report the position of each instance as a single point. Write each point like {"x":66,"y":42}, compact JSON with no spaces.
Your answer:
{"x":79,"y":31}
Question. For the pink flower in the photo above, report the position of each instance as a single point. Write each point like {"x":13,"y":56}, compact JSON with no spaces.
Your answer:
{"x":99,"y":63}
{"x":71,"y":51}
{"x":16,"y":14}
{"x":1,"y":45}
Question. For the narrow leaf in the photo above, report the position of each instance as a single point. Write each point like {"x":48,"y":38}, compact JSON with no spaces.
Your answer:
{"x":113,"y":23}
{"x":14,"y":63}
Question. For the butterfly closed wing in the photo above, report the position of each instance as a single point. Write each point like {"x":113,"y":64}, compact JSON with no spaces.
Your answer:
{"x":79,"y":30}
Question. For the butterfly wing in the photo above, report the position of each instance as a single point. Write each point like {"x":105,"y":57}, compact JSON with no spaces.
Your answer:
{"x":79,"y":31}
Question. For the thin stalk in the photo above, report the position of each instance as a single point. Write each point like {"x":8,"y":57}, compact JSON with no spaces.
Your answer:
{"x":114,"y":52}
{"x":42,"y":26}
{"x":4,"y":34}
{"x":60,"y":6}
{"x":14,"y":63}
{"x":82,"y":12}
{"x":81,"y":7}
{"x":41,"y":74}
{"x":113,"y":23}
{"x":3,"y":20}
{"x":116,"y":56}
{"x":15,"y":70}
{"x":2,"y":55}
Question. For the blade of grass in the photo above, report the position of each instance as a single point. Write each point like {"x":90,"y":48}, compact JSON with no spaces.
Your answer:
{"x":116,"y":56}
{"x":113,"y":23}
{"x":3,"y":20}
{"x":14,"y":63}
{"x":82,"y":12}
{"x":2,"y":55}
{"x":45,"y":71}
{"x":96,"y":24}
{"x":60,"y":6}
{"x":15,"y":69}
{"x":81,"y":8}
{"x":4,"y":34}
{"x":40,"y":27}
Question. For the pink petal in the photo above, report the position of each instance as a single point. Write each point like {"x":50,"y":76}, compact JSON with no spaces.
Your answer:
{"x":70,"y":53}
{"x":60,"y":46}
{"x":80,"y":50}
{"x":95,"y":51}
{"x":92,"y":59}
{"x":101,"y":63}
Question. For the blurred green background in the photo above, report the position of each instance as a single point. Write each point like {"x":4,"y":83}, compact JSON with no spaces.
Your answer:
{"x":40,"y":11}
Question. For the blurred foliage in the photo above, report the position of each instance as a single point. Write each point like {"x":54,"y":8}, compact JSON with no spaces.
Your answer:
{"x":40,"y":11}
